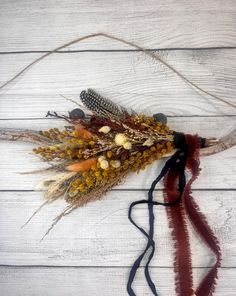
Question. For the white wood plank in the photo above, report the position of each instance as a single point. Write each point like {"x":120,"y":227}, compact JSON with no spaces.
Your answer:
{"x":131,"y":79}
{"x":100,"y":233}
{"x":30,"y":25}
{"x":97,"y":281}
{"x":218,"y":171}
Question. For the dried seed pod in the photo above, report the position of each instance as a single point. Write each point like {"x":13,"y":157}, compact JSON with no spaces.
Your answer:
{"x":160,"y":117}
{"x":77,"y":114}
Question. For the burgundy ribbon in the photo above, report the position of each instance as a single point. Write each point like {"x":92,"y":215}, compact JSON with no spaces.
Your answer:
{"x":180,"y":206}
{"x":177,"y":216}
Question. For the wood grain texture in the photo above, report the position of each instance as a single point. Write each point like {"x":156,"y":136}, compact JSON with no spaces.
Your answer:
{"x":23,"y":281}
{"x":43,"y":25}
{"x":100,"y":233}
{"x":129,"y":78}
{"x":19,"y":158}
{"x":90,"y":251}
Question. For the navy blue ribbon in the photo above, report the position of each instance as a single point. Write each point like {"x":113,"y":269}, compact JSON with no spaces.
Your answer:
{"x":177,"y":161}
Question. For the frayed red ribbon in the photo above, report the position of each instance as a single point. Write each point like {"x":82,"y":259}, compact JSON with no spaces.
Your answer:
{"x":177,"y":217}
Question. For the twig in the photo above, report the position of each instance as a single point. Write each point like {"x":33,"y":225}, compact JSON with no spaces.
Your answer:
{"x":223,"y":144}
{"x":35,"y":212}
{"x":34,"y":137}
{"x":65,"y":212}
{"x":132,"y":44}
{"x":23,"y":135}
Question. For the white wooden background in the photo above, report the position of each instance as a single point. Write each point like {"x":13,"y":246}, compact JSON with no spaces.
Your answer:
{"x":90,"y":251}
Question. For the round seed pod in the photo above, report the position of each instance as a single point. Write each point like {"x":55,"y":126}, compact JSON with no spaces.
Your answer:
{"x":77,"y":114}
{"x":104,"y":164}
{"x":160,"y":117}
{"x":115,"y":163}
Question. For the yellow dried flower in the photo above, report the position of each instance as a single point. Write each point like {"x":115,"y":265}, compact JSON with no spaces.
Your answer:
{"x":97,"y":173}
{"x":82,"y":187}
{"x":94,"y":167}
{"x":80,"y":142}
{"x":112,"y":175}
{"x":105,"y":174}
{"x":109,"y":154}
{"x":159,"y":155}
{"x":132,"y":158}
{"x":99,"y":178}
{"x":75,"y":134}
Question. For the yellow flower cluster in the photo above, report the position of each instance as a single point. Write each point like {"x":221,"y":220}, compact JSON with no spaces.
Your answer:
{"x":55,"y":134}
{"x":138,"y":161}
{"x":150,"y":121}
{"x":77,"y":145}
{"x":66,"y":145}
{"x":91,"y":179}
{"x":59,"y":151}
{"x":98,"y":176}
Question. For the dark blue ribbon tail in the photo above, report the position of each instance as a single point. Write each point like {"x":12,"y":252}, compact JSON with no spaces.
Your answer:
{"x":177,"y":160}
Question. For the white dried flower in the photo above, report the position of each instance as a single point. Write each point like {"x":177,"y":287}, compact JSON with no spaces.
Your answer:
{"x":120,"y":139}
{"x":104,"y":129}
{"x":104,"y":164}
{"x":149,"y":142}
{"x":115,"y":164}
{"x":101,"y":158}
{"x":127,"y":145}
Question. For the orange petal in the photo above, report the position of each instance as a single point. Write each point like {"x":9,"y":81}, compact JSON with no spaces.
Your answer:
{"x":82,"y":132}
{"x":81,"y":165}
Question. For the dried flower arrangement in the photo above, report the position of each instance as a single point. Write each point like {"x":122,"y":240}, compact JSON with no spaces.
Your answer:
{"x":103,"y":143}
{"x":96,"y":151}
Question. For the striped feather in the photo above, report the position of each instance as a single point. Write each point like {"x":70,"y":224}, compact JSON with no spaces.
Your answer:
{"x":101,"y":106}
